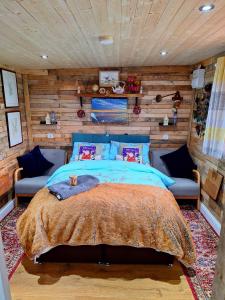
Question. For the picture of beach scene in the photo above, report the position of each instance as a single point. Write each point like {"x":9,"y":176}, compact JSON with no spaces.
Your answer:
{"x":109,"y":110}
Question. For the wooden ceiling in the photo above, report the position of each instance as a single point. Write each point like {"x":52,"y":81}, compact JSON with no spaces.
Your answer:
{"x":68,"y":31}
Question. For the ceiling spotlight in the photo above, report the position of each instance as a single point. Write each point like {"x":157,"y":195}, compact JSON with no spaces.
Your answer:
{"x":163,"y":52}
{"x":206,"y":7}
{"x":106,"y":40}
{"x":44,"y":56}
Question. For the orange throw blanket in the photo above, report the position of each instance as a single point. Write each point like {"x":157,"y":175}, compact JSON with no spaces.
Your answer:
{"x":113,"y":214}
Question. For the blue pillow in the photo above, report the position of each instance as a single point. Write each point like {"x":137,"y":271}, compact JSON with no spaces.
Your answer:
{"x":34,"y":163}
{"x":114,"y":150}
{"x":104,"y":151}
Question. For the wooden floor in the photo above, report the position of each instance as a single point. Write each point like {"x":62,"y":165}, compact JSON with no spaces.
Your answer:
{"x":92,"y":281}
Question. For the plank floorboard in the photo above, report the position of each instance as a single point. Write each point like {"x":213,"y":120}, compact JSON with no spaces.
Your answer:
{"x":92,"y":281}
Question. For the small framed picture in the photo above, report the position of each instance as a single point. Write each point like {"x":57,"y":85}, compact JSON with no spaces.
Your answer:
{"x":9,"y":88}
{"x":14,"y":127}
{"x":108,"y":78}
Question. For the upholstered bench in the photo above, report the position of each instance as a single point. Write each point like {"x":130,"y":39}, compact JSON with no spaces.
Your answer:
{"x":27,"y":187}
{"x":183,"y":188}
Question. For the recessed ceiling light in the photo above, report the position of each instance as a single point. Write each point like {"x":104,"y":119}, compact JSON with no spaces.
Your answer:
{"x":44,"y":56}
{"x":106,"y":40}
{"x":206,"y":7}
{"x":163,"y":52}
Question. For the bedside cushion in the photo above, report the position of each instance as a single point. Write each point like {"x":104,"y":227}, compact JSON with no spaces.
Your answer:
{"x":116,"y":149}
{"x":184,"y":187}
{"x":179,"y":163}
{"x":30,"y":185}
{"x":102,"y":150}
{"x":34,"y":163}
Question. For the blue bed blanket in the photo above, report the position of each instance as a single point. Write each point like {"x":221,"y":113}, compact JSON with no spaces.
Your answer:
{"x":113,"y":171}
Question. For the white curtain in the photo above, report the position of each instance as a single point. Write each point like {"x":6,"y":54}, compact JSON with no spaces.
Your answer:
{"x":214,"y":139}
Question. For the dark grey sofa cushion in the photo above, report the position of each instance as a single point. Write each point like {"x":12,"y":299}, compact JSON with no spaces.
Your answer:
{"x":157,"y":162}
{"x":184,"y":187}
{"x":56,"y":156}
{"x":30,"y":185}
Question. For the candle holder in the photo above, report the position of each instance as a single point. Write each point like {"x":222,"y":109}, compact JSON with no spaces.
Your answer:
{"x":73,"y":180}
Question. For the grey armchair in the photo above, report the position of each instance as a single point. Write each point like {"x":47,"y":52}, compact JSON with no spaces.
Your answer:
{"x":183,"y":188}
{"x":27,"y":187}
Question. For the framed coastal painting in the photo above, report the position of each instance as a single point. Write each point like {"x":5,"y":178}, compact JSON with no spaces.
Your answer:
{"x":108,"y":78}
{"x":109,"y":110}
{"x":9,"y":88}
{"x":14,"y":127}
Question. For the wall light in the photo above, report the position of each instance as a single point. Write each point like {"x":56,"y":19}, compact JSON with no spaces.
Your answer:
{"x":44,"y":56}
{"x":106,"y":40}
{"x":177,"y":97}
{"x":206,"y":7}
{"x":163,"y":52}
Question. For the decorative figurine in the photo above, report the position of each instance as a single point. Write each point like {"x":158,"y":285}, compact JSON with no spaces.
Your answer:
{"x":95,"y":88}
{"x":166,"y":121}
{"x":102,"y":91}
{"x":174,"y":110}
{"x":47,"y":119}
{"x":73,"y":180}
{"x":53,"y":119}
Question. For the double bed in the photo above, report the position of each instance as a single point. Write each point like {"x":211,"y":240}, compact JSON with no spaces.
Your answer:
{"x":130,"y":217}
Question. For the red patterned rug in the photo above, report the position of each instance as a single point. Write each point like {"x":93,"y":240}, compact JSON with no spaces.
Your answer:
{"x":200,"y":277}
{"x":12,"y":248}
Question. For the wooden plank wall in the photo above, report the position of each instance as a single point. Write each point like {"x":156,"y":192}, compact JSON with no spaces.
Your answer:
{"x":8,"y":162}
{"x":205,"y":162}
{"x":55,"y":92}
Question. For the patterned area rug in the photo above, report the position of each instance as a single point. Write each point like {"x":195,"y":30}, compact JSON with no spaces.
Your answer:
{"x":200,"y":277}
{"x":12,"y":248}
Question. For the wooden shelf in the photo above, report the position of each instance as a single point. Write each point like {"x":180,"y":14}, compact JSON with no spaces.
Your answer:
{"x":93,"y":95}
{"x":169,"y":127}
{"x":43,"y":123}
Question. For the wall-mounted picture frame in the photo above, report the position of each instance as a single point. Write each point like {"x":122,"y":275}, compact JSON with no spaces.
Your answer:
{"x":14,"y":128}
{"x":109,"y":110}
{"x":108,"y":78}
{"x":9,"y":88}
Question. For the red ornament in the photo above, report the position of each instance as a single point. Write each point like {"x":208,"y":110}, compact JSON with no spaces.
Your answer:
{"x":81,"y":113}
{"x":137,"y":110}
{"x":133,"y":85}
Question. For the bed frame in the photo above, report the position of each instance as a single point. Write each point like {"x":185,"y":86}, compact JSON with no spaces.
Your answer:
{"x":105,"y":254}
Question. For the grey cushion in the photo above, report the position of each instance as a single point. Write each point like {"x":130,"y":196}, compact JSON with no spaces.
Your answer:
{"x":30,"y":185}
{"x":157,"y":162}
{"x":56,"y":156}
{"x":184,"y":187}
